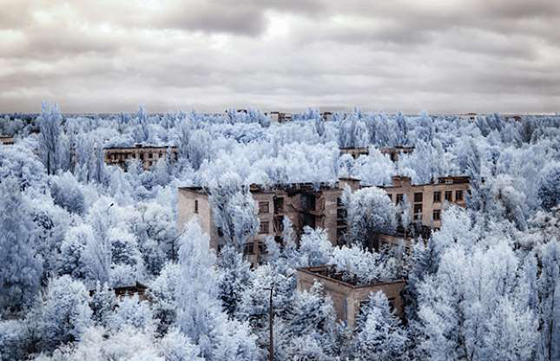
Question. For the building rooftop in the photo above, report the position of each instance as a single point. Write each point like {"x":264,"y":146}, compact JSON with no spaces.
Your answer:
{"x":142,"y":146}
{"x":398,"y":180}
{"x":289,"y":187}
{"x":346,"y":279}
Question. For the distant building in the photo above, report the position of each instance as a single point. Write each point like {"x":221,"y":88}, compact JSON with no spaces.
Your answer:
{"x":355,"y":152}
{"x":427,"y":200}
{"x":392,"y":152}
{"x":469,"y":116}
{"x":302,"y":203}
{"x":280,"y":117}
{"x":134,"y":289}
{"x":511,"y":117}
{"x":148,"y":155}
{"x":395,"y":152}
{"x":327,"y":116}
{"x":353,"y":183}
{"x":6,"y":140}
{"x":348,"y":297}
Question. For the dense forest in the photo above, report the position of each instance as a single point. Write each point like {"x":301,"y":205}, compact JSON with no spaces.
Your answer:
{"x":485,"y":286}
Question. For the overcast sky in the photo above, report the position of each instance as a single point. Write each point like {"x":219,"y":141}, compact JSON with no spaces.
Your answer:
{"x":443,"y":56}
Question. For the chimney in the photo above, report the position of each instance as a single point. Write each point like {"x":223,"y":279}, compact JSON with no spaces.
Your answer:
{"x":400,"y":181}
{"x":353,"y":183}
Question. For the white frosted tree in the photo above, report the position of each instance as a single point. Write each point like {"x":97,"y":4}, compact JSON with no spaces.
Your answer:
{"x":163,"y":291}
{"x":157,"y":235}
{"x":234,"y":210}
{"x":199,"y":311}
{"x":379,"y":333}
{"x":67,"y":193}
{"x":549,"y":187}
{"x":458,"y":306}
{"x":21,"y":266}
{"x":66,"y":313}
{"x":130,"y":311}
{"x":254,"y":306}
{"x":96,"y":258}
{"x":102,"y":303}
{"x":313,"y":317}
{"x":235,"y":277}
{"x":369,"y":211}
{"x":49,"y":137}
{"x":549,"y":307}
{"x":511,"y":333}
{"x":315,"y":247}
{"x":71,"y":259}
{"x":175,"y":346}
{"x":235,"y":215}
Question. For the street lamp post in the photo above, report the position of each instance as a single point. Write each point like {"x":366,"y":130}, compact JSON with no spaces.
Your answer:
{"x":270,"y":326}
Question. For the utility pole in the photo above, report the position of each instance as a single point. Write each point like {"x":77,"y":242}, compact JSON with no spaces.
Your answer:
{"x":271,"y":326}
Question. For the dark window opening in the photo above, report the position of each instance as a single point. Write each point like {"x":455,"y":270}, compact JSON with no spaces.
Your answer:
{"x":278,"y":205}
{"x":263,"y":207}
{"x":263,"y":227}
{"x":309,"y":220}
{"x":437,"y":197}
{"x":308,"y":202}
{"x":417,"y":212}
{"x":249,"y":248}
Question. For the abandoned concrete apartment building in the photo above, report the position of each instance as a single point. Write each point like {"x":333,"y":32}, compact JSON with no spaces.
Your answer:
{"x":302,"y":203}
{"x":427,"y":201}
{"x":392,"y":152}
{"x":306,"y":205}
{"x":148,"y":155}
{"x":347,"y":295}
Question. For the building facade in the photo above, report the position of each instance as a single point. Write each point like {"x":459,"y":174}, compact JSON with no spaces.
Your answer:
{"x":395,"y":152}
{"x":302,"y":203}
{"x":148,"y":155}
{"x":392,"y":152}
{"x":427,"y":200}
{"x":355,"y":152}
{"x":349,"y":297}
{"x":6,"y":140}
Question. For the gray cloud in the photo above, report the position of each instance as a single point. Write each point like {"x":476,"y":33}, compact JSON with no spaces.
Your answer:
{"x":112,"y":55}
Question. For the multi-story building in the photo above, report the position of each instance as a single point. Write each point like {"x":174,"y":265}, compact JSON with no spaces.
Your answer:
{"x":6,"y":140}
{"x":348,"y":297}
{"x":279,"y":117}
{"x":302,"y":203}
{"x":469,"y":116}
{"x":395,"y":152}
{"x":355,"y":152}
{"x":327,"y":116}
{"x":427,"y":200}
{"x":392,"y":152}
{"x":148,"y":155}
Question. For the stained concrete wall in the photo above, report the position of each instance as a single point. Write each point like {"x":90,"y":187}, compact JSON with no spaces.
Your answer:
{"x":347,"y":298}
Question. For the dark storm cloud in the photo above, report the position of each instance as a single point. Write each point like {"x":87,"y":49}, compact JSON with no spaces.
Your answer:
{"x":443,"y":56}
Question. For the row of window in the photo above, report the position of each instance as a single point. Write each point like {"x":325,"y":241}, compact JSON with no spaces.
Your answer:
{"x":436,"y":214}
{"x":143,"y":156}
{"x":418,"y":197}
{"x":263,"y":208}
